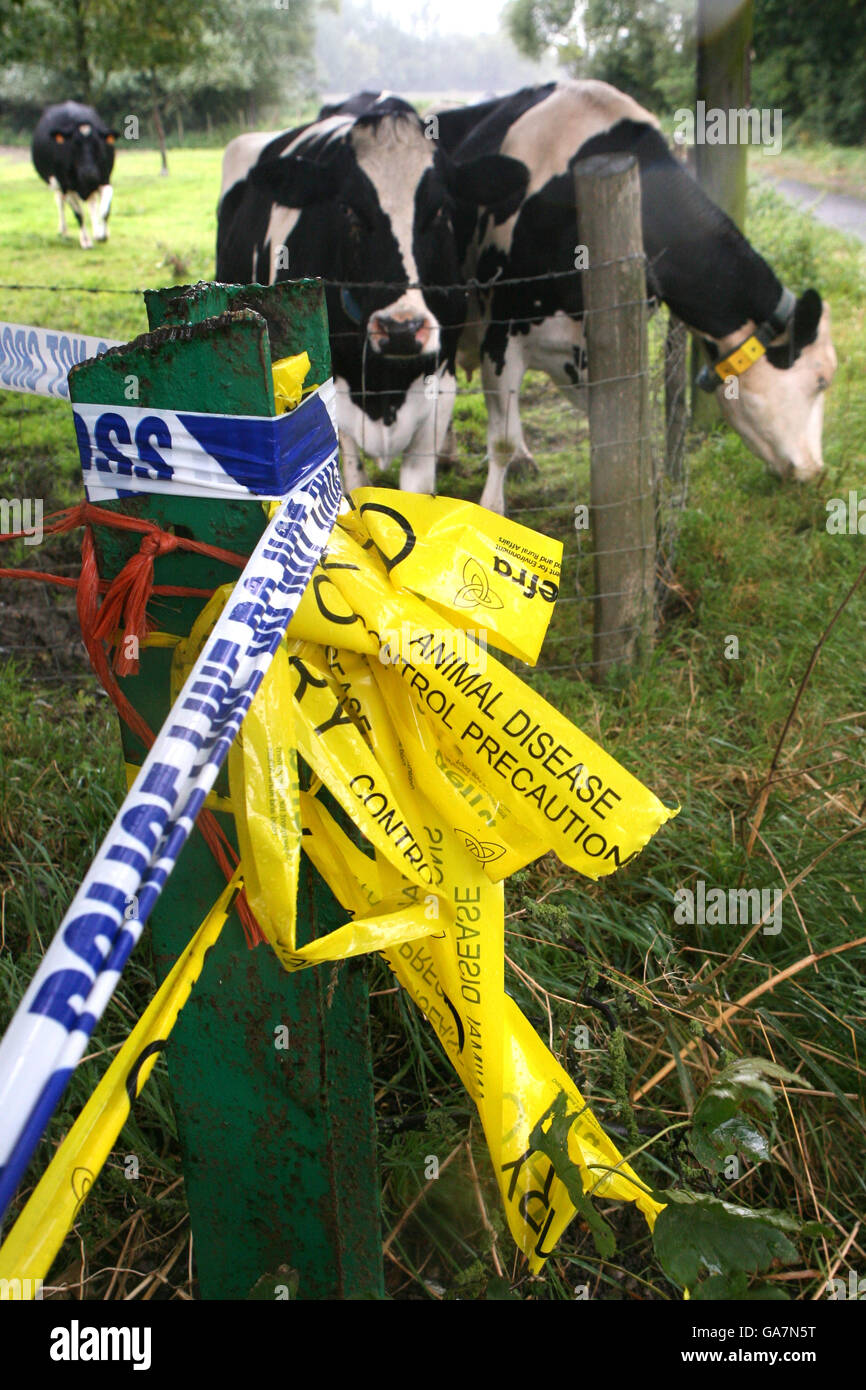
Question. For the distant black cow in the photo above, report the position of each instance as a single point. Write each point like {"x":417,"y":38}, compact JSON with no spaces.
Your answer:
{"x":365,"y":200}
{"x":73,"y":151}
{"x":700,"y":264}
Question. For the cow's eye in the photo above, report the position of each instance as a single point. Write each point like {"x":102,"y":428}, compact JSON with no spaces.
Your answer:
{"x":823,"y":383}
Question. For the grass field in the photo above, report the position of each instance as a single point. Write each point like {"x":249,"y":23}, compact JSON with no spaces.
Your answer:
{"x":666,"y":1005}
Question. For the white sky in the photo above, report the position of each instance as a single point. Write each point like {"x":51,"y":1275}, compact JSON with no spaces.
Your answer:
{"x":443,"y":16}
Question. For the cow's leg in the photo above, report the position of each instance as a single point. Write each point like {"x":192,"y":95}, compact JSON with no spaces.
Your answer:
{"x":448,"y":452}
{"x":353,"y":471}
{"x":418,"y":469}
{"x":107,"y":194}
{"x":505,"y":442}
{"x":83,"y":234}
{"x":61,"y":205}
{"x":97,"y":220}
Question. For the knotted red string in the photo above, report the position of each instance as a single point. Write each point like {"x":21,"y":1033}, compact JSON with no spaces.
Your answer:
{"x":125,"y":604}
{"x":128,"y":594}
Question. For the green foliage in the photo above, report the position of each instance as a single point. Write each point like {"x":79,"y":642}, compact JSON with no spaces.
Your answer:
{"x":209,"y":59}
{"x":713,"y":1145}
{"x":535,"y":24}
{"x":740,"y":1087}
{"x":722,"y":1122}
{"x":736,"y":1286}
{"x":698,"y":1234}
{"x":644,"y":47}
{"x":811,"y":62}
{"x":553,"y":1141}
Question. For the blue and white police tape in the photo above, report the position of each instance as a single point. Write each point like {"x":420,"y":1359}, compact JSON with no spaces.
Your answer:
{"x":68,"y":994}
{"x":196,"y":455}
{"x":38,"y":360}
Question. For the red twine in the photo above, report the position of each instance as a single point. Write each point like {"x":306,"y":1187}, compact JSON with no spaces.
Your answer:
{"x":125,"y":605}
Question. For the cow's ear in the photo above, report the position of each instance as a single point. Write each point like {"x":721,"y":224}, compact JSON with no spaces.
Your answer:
{"x":494,"y":181}
{"x":294,"y":181}
{"x":807,"y":317}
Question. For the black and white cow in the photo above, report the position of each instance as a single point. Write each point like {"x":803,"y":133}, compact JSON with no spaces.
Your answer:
{"x":73,"y":151}
{"x":698,"y":263}
{"x":363,"y":199}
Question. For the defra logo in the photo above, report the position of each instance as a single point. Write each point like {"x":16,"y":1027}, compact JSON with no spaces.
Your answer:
{"x":527,"y":580}
{"x":476,"y":591}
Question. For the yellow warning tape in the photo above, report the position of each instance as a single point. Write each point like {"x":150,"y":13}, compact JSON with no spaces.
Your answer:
{"x":456,"y":774}
{"x":29,"y":1249}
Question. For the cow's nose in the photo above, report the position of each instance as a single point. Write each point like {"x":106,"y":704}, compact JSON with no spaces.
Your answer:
{"x":399,"y":335}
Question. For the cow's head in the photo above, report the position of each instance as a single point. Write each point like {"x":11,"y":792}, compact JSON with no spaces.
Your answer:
{"x":85,"y":148}
{"x":381,"y":199}
{"x":776,"y":405}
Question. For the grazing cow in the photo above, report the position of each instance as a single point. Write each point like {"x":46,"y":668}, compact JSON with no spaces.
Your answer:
{"x":73,"y":151}
{"x":698,"y":263}
{"x":363,"y":199}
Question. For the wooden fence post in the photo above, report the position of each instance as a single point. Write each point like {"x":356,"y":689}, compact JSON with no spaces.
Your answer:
{"x":607,"y":189}
{"x":278,"y":1143}
{"x":676,"y":397}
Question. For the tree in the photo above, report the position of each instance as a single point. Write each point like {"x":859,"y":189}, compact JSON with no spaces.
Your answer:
{"x":641,"y":46}
{"x":723,"y":45}
{"x":62,"y":35}
{"x":260,"y":55}
{"x":208,"y":58}
{"x":161,"y":37}
{"x":724,"y":33}
{"x":810,"y":61}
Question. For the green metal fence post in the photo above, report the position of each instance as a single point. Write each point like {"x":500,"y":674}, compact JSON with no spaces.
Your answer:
{"x":278,"y":1144}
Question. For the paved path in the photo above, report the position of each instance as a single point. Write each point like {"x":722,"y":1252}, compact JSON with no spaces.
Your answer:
{"x":837,"y":210}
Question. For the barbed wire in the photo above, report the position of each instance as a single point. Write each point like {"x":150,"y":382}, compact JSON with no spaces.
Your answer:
{"x":565,"y":652}
{"x":497,"y":282}
{"x":73,"y":289}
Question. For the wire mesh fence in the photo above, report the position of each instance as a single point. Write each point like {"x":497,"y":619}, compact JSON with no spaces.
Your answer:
{"x":550,"y":490}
